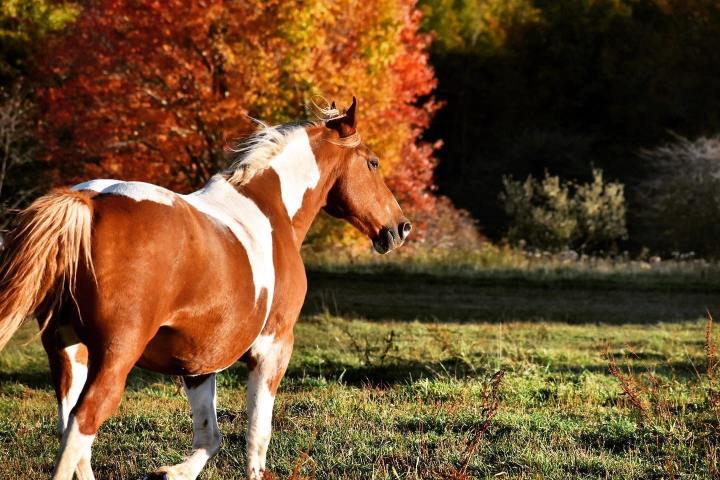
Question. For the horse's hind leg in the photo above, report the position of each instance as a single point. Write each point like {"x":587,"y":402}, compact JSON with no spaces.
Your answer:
{"x":201,"y":393}
{"x":68,"y":367}
{"x":100,"y":397}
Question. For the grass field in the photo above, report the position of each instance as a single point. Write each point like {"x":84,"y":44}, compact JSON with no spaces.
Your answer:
{"x":391,"y":379}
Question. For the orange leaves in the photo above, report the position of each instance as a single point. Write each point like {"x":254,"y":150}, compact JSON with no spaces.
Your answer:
{"x":153,"y":90}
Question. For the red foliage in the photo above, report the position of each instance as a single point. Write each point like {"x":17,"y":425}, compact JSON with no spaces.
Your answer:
{"x":151,"y":90}
{"x":412,"y":178}
{"x":141,"y":94}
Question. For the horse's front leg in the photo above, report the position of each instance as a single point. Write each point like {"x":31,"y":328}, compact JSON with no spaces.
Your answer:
{"x":267,"y":360}
{"x":202,"y":394}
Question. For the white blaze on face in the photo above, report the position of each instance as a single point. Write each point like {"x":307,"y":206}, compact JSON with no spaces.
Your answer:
{"x":298,"y":170}
{"x":138,"y":191}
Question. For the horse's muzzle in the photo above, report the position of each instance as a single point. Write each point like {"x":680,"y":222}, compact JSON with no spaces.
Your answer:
{"x":390,"y":238}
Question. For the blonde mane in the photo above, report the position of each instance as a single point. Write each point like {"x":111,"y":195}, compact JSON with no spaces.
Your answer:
{"x":254,"y":154}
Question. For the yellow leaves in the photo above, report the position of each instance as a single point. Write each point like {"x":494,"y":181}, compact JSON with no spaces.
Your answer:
{"x":482,"y":24}
{"x":187,"y":73}
{"x":39,"y":15}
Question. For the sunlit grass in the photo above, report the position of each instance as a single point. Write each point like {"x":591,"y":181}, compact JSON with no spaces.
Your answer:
{"x":490,"y":261}
{"x":391,"y":399}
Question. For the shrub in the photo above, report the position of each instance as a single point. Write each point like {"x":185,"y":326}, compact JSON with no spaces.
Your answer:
{"x":600,"y":210}
{"x":679,"y":201}
{"x":552,"y":214}
{"x":447,"y":229}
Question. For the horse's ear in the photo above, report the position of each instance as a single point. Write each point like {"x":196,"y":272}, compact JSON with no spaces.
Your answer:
{"x":344,"y":124}
{"x":350,"y":114}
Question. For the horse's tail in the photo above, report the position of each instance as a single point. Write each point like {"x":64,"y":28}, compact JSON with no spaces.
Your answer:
{"x":52,"y":237}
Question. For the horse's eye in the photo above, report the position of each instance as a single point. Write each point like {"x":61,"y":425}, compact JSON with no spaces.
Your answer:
{"x":373,"y":163}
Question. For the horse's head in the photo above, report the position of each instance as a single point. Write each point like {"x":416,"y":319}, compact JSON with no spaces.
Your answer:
{"x":359,"y":193}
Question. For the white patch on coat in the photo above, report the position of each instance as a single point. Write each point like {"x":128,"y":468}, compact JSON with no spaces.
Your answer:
{"x":206,"y":433}
{"x":78,"y":374}
{"x":219,"y":200}
{"x":138,"y":191}
{"x":260,"y":403}
{"x":271,"y":355}
{"x":223,"y":203}
{"x":297,"y":168}
{"x":75,"y":448}
{"x":265,"y":346}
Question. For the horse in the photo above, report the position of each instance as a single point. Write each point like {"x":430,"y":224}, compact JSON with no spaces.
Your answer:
{"x":124,"y":273}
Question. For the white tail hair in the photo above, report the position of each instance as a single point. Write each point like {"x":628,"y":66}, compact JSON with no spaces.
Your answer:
{"x":52,"y":237}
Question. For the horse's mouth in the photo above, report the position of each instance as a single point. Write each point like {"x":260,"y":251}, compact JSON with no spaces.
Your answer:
{"x":386,"y":240}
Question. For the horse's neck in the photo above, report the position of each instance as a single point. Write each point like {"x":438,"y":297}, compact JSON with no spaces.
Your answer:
{"x":313,"y":202}
{"x":289,"y":203}
{"x":294,"y":187}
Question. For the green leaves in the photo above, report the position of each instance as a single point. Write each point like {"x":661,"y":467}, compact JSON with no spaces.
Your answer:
{"x":23,"y":24}
{"x":553,"y":214}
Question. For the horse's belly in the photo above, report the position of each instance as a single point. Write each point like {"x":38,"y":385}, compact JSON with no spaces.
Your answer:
{"x":176,"y":351}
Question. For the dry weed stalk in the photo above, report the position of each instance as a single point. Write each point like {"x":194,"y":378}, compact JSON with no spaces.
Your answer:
{"x":710,"y":349}
{"x":375,"y":352}
{"x":712,"y":365}
{"x":490,"y":407}
{"x":303,"y":459}
{"x":652,"y":403}
{"x":630,"y":387}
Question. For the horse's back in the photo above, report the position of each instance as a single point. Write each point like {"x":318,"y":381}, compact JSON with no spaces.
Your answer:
{"x":168,"y":281}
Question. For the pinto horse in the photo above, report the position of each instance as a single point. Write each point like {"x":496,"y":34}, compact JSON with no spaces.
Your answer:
{"x":120,"y":274}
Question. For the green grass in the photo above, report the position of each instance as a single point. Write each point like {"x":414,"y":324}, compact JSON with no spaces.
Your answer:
{"x":389,"y":377}
{"x":489,"y":261}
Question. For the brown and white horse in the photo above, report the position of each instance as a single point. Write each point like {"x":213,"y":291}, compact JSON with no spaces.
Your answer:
{"x":127,"y":273}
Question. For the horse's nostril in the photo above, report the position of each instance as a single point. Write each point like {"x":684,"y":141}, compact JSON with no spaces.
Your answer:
{"x":405,"y":228}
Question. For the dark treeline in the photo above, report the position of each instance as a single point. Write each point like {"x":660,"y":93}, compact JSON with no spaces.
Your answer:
{"x":580,"y":90}
{"x":565,"y":85}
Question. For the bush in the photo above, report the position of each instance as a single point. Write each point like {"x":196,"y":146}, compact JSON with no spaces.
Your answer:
{"x":679,"y":201}
{"x":551,"y":214}
{"x":446,"y":229}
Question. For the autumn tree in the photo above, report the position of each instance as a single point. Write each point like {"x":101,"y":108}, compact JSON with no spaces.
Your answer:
{"x":24,"y":24}
{"x":154,"y":90}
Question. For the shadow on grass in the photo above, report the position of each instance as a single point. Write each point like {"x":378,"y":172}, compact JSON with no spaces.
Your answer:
{"x":392,"y":372}
{"x":41,"y":380}
{"x":406,"y":297}
{"x":389,"y":373}
{"x":32,"y":378}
